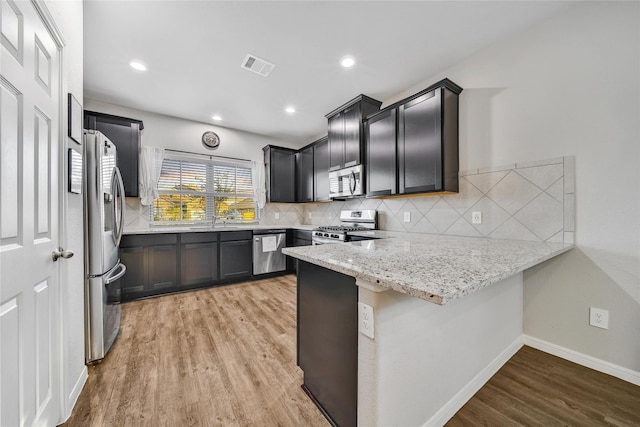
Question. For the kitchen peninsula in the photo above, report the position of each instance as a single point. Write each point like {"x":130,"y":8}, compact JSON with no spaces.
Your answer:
{"x":445,"y":313}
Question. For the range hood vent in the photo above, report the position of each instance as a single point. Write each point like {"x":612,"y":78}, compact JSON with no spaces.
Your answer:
{"x":257,"y":65}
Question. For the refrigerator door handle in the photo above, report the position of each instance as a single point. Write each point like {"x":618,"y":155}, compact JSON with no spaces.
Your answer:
{"x":117,"y":177}
{"x":115,"y":274}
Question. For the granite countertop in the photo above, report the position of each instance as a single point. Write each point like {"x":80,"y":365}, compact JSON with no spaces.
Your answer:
{"x":209,"y":229}
{"x":436,"y":268}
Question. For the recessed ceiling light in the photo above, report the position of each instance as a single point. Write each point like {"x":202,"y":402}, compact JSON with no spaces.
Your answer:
{"x":348,"y":62}
{"x":138,"y":66}
{"x":217,"y":118}
{"x":290,"y":110}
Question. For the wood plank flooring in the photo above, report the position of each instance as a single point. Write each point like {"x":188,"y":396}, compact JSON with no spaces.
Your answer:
{"x":226,"y":356}
{"x":222,"y":356}
{"x":538,"y":389}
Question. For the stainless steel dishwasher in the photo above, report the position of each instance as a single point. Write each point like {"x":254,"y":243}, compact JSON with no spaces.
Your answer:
{"x":267,"y":251}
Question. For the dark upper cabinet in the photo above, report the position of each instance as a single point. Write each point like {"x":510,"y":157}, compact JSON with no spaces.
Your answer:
{"x":321,"y":170}
{"x":336,"y":141}
{"x":125,"y":134}
{"x":381,"y":160}
{"x":428,"y":142}
{"x":415,"y":140}
{"x":304,"y":174}
{"x":280,"y":174}
{"x":346,"y":136}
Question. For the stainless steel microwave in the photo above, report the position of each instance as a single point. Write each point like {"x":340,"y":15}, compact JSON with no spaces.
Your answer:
{"x":347,"y":182}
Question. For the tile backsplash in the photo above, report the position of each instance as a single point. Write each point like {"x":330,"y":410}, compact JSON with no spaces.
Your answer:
{"x":524,"y":201}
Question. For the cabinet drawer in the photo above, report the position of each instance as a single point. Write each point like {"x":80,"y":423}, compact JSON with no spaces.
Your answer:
{"x":132,"y":240}
{"x":226,"y":236}
{"x":198,"y":237}
{"x":302,"y":234}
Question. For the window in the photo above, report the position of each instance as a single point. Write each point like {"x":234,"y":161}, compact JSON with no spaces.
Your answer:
{"x":194,"y":190}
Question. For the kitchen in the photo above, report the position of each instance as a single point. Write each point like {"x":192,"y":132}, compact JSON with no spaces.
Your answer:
{"x":566,"y":86}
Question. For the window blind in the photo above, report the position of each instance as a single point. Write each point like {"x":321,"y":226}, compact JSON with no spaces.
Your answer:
{"x":194,"y":190}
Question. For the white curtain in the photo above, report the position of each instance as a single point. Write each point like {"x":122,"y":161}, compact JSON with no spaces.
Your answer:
{"x":259,"y":188}
{"x":150,"y":166}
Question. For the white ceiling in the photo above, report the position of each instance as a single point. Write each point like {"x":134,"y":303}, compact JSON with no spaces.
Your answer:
{"x":193,"y":51}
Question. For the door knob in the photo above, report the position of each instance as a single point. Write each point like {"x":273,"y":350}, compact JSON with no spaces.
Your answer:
{"x":61,"y":253}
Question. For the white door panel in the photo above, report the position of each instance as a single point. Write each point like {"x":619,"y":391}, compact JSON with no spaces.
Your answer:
{"x":29,"y":295}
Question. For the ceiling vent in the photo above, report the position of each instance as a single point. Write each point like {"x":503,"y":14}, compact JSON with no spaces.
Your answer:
{"x":257,"y":65}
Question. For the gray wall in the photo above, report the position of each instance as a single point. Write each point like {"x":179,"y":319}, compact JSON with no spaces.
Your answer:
{"x":570,"y":86}
{"x":180,"y":134}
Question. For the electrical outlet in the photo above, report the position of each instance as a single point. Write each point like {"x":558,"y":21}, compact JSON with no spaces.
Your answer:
{"x":310,"y":215}
{"x":599,"y":318}
{"x":365,"y":317}
{"x":476,"y":217}
{"x":277,"y":215}
{"x":407,"y":216}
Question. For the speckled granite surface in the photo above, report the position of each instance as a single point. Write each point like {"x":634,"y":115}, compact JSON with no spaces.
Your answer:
{"x":435,"y":268}
{"x":196,"y":229}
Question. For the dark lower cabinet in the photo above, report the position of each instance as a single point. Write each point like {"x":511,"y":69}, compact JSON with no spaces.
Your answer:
{"x":198,"y":258}
{"x":132,"y":283}
{"x":297,"y":238}
{"x":328,"y":341}
{"x":163,"y":267}
{"x":236,"y":254}
{"x":152,"y":265}
{"x":172,"y":262}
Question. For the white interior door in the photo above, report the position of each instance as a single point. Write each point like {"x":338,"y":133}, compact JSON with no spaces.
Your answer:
{"x":30,"y":102}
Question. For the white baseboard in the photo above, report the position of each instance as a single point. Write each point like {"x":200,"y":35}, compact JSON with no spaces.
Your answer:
{"x":583,"y":359}
{"x":75,"y":393}
{"x":445,"y":413}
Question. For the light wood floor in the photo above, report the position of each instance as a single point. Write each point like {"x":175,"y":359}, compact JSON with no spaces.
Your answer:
{"x":221,"y":356}
{"x":226,"y":357}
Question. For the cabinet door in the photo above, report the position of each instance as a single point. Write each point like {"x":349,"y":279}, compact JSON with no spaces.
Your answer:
{"x":199,"y":263}
{"x":162,"y":268}
{"x":126,"y":137}
{"x":380,"y":134}
{"x":236,"y":259}
{"x":327,"y":326}
{"x":420,"y":144}
{"x":336,"y":142}
{"x":321,"y":170}
{"x":133,"y":281}
{"x":352,"y":135}
{"x":304,"y":169}
{"x":282,"y":176}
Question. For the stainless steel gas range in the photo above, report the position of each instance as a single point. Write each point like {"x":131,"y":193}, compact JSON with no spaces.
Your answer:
{"x":351,"y":220}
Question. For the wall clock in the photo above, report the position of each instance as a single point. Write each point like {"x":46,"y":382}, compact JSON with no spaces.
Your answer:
{"x":211,"y":140}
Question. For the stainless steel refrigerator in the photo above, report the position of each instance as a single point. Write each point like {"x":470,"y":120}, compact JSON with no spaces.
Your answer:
{"x":104,"y":221}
